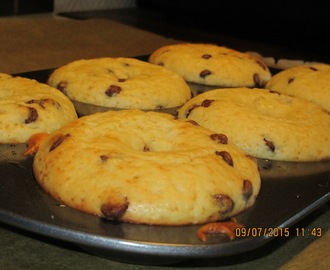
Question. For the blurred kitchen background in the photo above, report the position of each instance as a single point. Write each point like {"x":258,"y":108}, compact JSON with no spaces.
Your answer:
{"x":298,"y":26}
{"x":20,"y":7}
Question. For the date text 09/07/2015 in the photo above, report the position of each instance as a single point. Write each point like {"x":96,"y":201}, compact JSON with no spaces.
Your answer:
{"x":277,"y":232}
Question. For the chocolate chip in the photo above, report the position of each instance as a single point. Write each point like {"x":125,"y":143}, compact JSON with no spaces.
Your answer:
{"x":58,"y":141}
{"x":274,"y":92}
{"x":206,"y":56}
{"x":33,"y":115}
{"x":42,"y":102}
{"x":270,"y":144}
{"x":256,"y":79}
{"x":146,"y":149}
{"x":113,"y":90}
{"x":313,"y":68}
{"x":290,"y":80}
{"x":207,"y":102}
{"x":226,"y":157}
{"x":193,"y":122}
{"x":224,"y":201}
{"x":62,"y":86}
{"x":104,"y":158}
{"x":114,"y":211}
{"x":122,"y":80}
{"x":191,"y":109}
{"x":219,"y":138}
{"x":205,"y":73}
{"x":33,"y":101}
{"x":247,"y":189}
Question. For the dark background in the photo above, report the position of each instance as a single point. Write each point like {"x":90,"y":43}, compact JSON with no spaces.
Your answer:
{"x":20,"y":7}
{"x":300,"y":25}
{"x":283,"y":29}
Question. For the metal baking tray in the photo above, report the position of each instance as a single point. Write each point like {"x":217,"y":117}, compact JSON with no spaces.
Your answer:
{"x":289,"y":192}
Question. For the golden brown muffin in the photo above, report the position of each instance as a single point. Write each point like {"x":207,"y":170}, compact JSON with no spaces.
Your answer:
{"x":28,"y":107}
{"x":123,"y":83}
{"x":263,"y":123}
{"x":146,"y":167}
{"x":213,"y":65}
{"x":311,"y":82}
